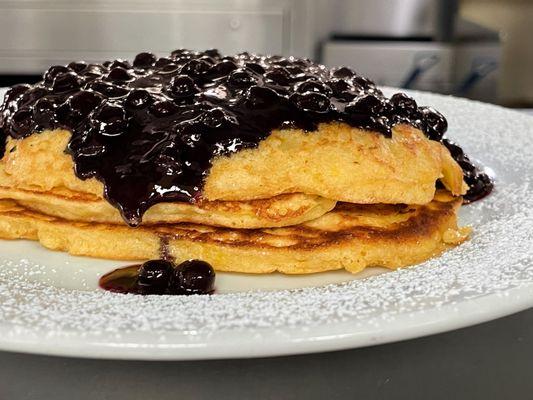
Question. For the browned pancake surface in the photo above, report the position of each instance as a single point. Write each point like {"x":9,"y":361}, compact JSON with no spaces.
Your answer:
{"x":350,"y":237}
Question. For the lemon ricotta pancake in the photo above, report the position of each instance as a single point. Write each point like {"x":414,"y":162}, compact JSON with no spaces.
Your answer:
{"x":368,"y":168}
{"x":274,"y":163}
{"x":37,"y":173}
{"x":351,"y":237}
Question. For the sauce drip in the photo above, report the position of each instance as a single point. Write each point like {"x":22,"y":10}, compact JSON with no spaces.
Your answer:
{"x":122,"y":280}
{"x":164,"y":249}
{"x":148,"y":130}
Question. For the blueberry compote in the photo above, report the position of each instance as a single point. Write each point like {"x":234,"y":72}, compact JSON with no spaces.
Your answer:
{"x":148,"y":129}
{"x":161,"y":277}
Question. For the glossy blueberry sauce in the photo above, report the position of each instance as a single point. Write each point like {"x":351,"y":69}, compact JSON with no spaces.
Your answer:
{"x":149,"y":129}
{"x":161,"y":277}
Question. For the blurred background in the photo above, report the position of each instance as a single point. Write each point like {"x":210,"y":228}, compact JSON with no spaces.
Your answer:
{"x":478,"y":49}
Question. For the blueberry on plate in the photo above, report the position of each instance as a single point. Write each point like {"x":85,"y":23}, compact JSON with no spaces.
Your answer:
{"x":193,"y":277}
{"x":154,"y":276}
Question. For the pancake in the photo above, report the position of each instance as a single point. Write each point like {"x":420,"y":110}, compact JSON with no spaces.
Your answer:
{"x":282,"y":210}
{"x":251,"y":163}
{"x":349,"y":237}
{"x":38,"y":174}
{"x":336,"y":162}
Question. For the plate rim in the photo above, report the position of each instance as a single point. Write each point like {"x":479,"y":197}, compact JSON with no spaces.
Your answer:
{"x":283,"y":341}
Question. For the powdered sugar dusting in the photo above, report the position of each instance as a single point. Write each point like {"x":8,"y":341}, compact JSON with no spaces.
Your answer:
{"x":498,"y":257}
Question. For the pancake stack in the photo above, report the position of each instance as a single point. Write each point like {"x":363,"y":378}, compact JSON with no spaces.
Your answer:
{"x":252,"y":163}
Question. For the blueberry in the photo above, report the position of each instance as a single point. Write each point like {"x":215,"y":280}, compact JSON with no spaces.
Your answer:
{"x":53,"y":71}
{"x":15,"y":92}
{"x":242,"y":78}
{"x":163,"y":109}
{"x":108,"y":89}
{"x":282,"y":61}
{"x":182,"y":86}
{"x":21,"y":123}
{"x":168,"y":164}
{"x":294,"y":70}
{"x":257,"y":68}
{"x":213,"y":53}
{"x":93,"y":71}
{"x":312,"y":86}
{"x":110,"y":120}
{"x":434,"y":123}
{"x":467,"y":166}
{"x":403,"y":102}
{"x":119,"y":74}
{"x":456,"y":151}
{"x":230,"y":58}
{"x":245,"y":55}
{"x":44,"y":111}
{"x":381,"y":124}
{"x":217,"y":117}
{"x":261,"y":97}
{"x":305,"y":76}
{"x":338,"y":86}
{"x":32,"y":95}
{"x":193,"y":277}
{"x":183,"y":58}
{"x":302,"y":62}
{"x":279,"y":75}
{"x":83,"y":103}
{"x":195,"y":68}
{"x":343,"y":72}
{"x":189,"y":135}
{"x":169,"y":68}
{"x":139,"y":99}
{"x":77,"y":66}
{"x":223,"y":68}
{"x":64,"y":82}
{"x":119,"y":63}
{"x":109,"y":113}
{"x":183,"y":55}
{"x":479,"y":185}
{"x":366,"y":104}
{"x":179,"y":53}
{"x":208,"y":59}
{"x":64,"y":115}
{"x":311,"y":101}
{"x":163,"y":61}
{"x":144,"y":60}
{"x":154,"y":276}
{"x":362,"y":82}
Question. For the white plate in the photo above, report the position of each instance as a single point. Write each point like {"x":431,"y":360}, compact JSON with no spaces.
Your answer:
{"x":49,"y":304}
